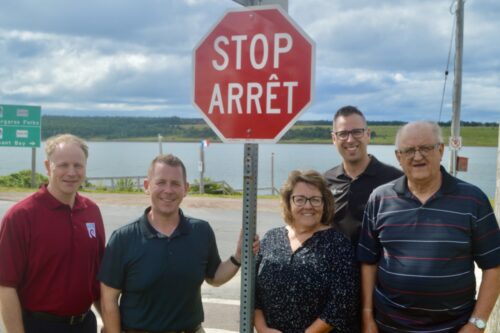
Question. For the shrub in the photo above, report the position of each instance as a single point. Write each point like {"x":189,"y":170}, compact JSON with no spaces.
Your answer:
{"x":211,"y":187}
{"x":22,"y":179}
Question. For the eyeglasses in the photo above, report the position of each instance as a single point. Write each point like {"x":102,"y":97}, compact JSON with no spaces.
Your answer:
{"x":300,"y":200}
{"x":356,"y":133}
{"x":424,"y":150}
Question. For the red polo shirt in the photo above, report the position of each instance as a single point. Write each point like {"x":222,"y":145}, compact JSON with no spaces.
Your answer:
{"x":51,"y":253}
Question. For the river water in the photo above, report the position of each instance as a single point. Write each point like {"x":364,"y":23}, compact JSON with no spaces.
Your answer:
{"x":224,"y":162}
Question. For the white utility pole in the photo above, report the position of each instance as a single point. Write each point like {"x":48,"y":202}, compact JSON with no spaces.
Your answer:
{"x":455,"y":139}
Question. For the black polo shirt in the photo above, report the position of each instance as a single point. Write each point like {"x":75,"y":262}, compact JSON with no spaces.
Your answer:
{"x":351,"y":195}
{"x":160,"y":277}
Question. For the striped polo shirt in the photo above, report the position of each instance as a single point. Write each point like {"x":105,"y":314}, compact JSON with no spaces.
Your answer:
{"x":426,"y":253}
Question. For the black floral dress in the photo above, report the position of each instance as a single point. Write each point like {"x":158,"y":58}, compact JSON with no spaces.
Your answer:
{"x":319,"y":280}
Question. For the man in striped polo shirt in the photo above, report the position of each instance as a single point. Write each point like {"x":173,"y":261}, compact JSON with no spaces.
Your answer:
{"x":420,"y":238}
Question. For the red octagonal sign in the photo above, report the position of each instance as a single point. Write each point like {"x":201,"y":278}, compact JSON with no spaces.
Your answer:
{"x":253,"y":74}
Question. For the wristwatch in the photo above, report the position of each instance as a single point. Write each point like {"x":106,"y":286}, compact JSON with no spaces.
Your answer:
{"x":478,"y":322}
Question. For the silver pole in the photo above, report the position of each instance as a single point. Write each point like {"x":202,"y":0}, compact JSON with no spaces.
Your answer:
{"x":160,"y":144}
{"x":250,"y":213}
{"x":250,"y":169}
{"x":246,"y":3}
{"x":272,"y":173}
{"x":455,"y":140}
{"x":497,"y":192}
{"x":202,"y":168}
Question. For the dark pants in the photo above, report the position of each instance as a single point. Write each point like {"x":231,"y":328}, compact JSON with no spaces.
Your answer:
{"x":36,"y":325}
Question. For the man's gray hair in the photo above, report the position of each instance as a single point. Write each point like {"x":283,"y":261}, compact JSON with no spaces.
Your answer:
{"x":436,"y":130}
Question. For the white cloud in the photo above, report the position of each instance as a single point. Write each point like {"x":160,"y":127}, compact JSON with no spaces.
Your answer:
{"x":386,"y":57}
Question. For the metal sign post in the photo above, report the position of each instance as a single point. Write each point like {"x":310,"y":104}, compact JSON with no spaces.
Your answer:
{"x":252,"y":79}
{"x":249,"y":228}
{"x":201,"y":168}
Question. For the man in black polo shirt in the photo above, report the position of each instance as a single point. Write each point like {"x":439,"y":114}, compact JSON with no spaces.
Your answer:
{"x":159,"y":262}
{"x":355,"y":178}
{"x":420,"y":238}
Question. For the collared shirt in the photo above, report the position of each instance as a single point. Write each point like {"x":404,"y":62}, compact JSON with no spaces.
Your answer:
{"x":51,"y":252}
{"x":351,"y":195}
{"x":160,"y":276}
{"x":426,"y":253}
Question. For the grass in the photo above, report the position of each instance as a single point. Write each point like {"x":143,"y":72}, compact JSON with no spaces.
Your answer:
{"x":480,"y":136}
{"x":472,"y":136}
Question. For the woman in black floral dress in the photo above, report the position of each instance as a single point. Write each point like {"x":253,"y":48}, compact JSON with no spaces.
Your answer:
{"x":307,"y":276}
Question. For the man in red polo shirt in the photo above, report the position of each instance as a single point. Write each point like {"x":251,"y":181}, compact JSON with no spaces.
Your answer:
{"x":51,"y":245}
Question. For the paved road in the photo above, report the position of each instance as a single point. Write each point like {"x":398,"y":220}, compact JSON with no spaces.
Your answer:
{"x":221,"y":304}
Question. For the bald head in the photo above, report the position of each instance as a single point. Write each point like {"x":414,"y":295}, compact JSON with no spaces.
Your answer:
{"x":417,"y":128}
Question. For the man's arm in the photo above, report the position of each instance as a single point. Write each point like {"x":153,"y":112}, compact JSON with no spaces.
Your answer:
{"x":10,"y":308}
{"x":368,"y":278}
{"x":110,"y":311}
{"x":227,"y":269}
{"x":224,"y":273}
{"x":489,"y":290}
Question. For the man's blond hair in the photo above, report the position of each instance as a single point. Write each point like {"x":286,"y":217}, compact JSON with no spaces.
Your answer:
{"x":52,"y":142}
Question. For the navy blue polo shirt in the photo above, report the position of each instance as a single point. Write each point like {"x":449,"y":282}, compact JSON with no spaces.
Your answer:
{"x":426,"y":253}
{"x":160,"y":277}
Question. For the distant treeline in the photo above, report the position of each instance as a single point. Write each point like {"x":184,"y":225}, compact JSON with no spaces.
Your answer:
{"x":195,"y":129}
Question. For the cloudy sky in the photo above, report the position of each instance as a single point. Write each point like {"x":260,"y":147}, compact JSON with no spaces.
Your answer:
{"x":134,"y":57}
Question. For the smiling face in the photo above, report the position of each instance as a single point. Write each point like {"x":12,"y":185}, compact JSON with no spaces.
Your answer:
{"x":66,"y":170}
{"x":167,"y":187}
{"x":353,"y":150}
{"x":306,"y":217}
{"x":420,"y":169}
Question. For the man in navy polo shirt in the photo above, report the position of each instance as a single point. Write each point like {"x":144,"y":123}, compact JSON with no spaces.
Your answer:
{"x":159,"y":262}
{"x":420,"y":238}
{"x":51,"y":245}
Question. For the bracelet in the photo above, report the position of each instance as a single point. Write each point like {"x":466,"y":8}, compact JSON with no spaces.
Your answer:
{"x":234,"y":261}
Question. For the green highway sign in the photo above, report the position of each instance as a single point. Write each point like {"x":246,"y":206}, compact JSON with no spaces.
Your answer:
{"x":20,"y":125}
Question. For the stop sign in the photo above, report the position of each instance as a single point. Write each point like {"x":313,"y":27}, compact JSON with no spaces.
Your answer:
{"x":253,"y":74}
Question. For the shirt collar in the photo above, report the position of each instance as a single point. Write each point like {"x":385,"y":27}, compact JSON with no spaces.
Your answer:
{"x":448,"y":184}
{"x":371,"y":169}
{"x":53,"y":203}
{"x":149,"y":232}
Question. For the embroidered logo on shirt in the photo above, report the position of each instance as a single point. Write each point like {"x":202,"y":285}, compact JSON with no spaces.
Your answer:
{"x":91,"y":229}
{"x":337,"y":191}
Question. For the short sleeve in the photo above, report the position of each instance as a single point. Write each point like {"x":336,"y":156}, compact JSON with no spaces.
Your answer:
{"x":486,"y":236}
{"x":369,"y":246}
{"x":213,"y":254}
{"x":112,"y":270}
{"x":14,"y":240}
{"x":343,"y":304}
